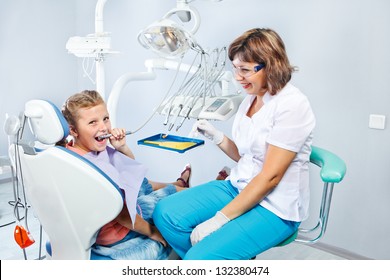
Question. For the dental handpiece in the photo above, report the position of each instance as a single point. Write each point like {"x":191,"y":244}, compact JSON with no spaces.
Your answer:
{"x":105,"y":136}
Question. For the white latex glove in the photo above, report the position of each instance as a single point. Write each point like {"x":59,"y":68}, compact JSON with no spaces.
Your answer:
{"x":207,"y":227}
{"x":207,"y":130}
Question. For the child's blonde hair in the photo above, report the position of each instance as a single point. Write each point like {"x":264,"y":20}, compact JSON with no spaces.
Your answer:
{"x":84,"y":99}
{"x":70,"y":110}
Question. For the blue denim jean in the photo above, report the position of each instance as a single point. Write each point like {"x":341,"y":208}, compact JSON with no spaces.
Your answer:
{"x":135,"y":246}
{"x":242,"y":238}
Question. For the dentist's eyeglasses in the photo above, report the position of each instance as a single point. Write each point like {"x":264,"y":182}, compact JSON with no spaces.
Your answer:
{"x":245,"y":72}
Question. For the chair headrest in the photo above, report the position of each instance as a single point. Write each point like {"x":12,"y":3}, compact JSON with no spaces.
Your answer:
{"x":46,"y":121}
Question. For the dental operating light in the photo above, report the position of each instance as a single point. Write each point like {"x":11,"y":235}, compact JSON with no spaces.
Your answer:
{"x":167,"y":37}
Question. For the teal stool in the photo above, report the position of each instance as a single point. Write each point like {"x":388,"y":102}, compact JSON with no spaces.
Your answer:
{"x":332,"y":171}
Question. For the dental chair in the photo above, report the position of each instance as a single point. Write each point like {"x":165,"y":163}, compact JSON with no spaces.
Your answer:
{"x":69,"y":195}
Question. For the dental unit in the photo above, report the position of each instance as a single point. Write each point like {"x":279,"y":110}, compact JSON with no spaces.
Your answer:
{"x":207,"y":91}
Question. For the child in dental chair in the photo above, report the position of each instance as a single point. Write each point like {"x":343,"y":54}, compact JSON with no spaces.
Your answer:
{"x":131,"y":235}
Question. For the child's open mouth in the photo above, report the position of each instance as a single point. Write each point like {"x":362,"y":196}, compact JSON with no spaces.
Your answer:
{"x":100,"y":139}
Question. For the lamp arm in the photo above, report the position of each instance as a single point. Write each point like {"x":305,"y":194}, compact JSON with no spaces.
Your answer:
{"x":191,"y":10}
{"x":169,"y":64}
{"x":119,"y":85}
{"x":99,"y":16}
{"x":99,"y":61}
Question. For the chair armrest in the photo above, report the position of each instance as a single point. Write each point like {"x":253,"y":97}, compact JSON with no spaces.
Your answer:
{"x":333,"y":168}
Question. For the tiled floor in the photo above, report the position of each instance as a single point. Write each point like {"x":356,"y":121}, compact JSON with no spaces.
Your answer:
{"x":9,"y":250}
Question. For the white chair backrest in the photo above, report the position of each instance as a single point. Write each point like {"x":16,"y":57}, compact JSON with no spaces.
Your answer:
{"x":71,"y":197}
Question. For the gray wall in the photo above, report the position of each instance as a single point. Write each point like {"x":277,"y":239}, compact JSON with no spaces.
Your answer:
{"x":33,"y":60}
{"x":341,"y":48}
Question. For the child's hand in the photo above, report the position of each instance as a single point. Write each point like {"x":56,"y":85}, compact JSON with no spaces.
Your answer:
{"x":118,"y":138}
{"x":118,"y":141}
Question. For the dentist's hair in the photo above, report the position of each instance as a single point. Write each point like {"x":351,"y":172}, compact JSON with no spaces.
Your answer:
{"x":85,"y":99}
{"x":261,"y":45}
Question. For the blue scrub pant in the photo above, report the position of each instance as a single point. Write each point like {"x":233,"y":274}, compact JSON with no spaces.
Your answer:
{"x":240,"y":239}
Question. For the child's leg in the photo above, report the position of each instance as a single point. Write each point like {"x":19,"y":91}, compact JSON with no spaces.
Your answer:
{"x":146,"y":188}
{"x":137,"y":248}
{"x":147,"y":203}
{"x":181,"y":183}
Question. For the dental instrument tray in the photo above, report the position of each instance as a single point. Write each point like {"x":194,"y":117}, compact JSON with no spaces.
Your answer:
{"x":171,"y":142}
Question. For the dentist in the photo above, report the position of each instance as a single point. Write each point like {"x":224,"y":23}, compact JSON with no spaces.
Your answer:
{"x":266,"y":196}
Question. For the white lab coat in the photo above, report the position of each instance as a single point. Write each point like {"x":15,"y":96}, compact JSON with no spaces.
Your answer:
{"x":286,"y":120}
